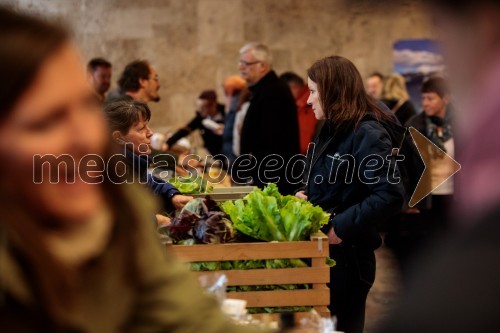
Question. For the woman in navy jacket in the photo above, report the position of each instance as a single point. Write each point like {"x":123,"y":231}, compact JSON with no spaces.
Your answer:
{"x":350,"y":176}
{"x":128,"y":121}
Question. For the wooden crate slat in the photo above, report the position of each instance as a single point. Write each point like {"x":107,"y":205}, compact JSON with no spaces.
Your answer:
{"x":248,"y":251}
{"x":284,"y":297}
{"x":322,"y":311}
{"x":318,"y":275}
{"x":255,"y":277}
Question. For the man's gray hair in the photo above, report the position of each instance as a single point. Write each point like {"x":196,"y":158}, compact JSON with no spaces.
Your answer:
{"x":260,"y":52}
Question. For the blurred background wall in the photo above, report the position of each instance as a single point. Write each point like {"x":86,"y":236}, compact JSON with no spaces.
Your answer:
{"x":194,"y":43}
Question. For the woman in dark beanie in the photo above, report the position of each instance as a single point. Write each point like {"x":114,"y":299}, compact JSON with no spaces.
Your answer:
{"x":349,"y":177}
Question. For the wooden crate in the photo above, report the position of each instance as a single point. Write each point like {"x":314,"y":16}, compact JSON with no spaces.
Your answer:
{"x":318,"y":274}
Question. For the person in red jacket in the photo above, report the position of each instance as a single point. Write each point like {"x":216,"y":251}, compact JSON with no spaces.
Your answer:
{"x":305,"y":114}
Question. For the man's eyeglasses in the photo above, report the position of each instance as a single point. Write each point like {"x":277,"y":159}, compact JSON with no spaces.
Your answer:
{"x":246,"y":63}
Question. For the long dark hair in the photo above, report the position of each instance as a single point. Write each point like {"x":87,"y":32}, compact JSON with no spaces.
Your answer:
{"x":25,"y":45}
{"x":342,"y":93}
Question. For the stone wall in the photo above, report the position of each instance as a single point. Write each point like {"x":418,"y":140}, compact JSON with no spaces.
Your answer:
{"x":194,"y":43}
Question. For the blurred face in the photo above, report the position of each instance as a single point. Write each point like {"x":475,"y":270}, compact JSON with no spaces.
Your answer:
{"x":151,"y":86}
{"x":56,"y":115}
{"x":314,"y":99}
{"x":296,"y":89}
{"x":101,"y":79}
{"x":140,"y":136}
{"x":206,"y":107}
{"x":374,"y":87}
{"x":434,"y":105}
{"x":251,"y":69}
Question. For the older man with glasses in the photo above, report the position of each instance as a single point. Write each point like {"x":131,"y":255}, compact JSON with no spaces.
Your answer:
{"x":270,"y":132}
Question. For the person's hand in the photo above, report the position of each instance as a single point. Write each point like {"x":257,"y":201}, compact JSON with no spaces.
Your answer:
{"x":162,"y":220}
{"x":332,"y":236}
{"x":179,"y":200}
{"x":301,"y":195}
{"x":164,"y":147}
{"x":189,"y":160}
{"x":219,"y":130}
{"x":180,"y":171}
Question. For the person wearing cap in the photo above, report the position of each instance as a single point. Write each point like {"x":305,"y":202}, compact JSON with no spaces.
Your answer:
{"x":209,"y":119}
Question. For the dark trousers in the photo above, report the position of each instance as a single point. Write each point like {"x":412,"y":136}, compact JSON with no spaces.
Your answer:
{"x":350,"y":281}
{"x":408,"y":235}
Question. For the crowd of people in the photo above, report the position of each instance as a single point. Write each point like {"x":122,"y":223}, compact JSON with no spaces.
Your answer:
{"x":412,"y":229}
{"x":256,"y":100}
{"x":273,"y":119}
{"x":69,"y":249}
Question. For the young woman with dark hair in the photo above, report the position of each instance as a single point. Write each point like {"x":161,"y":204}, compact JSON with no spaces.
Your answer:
{"x":350,"y":177}
{"x":76,"y":256}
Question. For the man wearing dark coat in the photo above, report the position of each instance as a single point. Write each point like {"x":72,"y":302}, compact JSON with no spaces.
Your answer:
{"x":270,"y":131}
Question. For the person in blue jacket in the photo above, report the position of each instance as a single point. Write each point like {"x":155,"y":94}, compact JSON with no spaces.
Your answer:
{"x":128,"y":122}
{"x":350,"y":176}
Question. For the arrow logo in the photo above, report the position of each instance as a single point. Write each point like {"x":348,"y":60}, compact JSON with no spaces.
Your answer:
{"x":433,"y":158}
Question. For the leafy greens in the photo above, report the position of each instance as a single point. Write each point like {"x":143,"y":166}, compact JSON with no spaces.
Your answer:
{"x":191,"y":185}
{"x":201,"y":220}
{"x":267,"y":215}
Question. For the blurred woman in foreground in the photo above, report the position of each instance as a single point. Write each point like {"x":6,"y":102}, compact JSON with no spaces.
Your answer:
{"x":76,"y":253}
{"x":349,"y":177}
